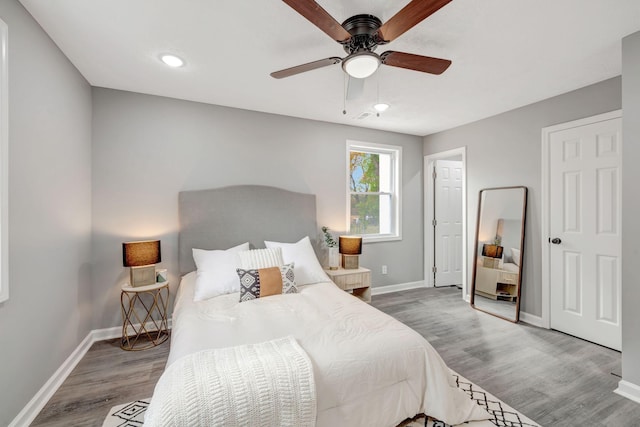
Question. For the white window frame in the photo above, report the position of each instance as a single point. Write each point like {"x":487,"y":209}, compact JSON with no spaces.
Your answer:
{"x":4,"y":162}
{"x":396,"y":195}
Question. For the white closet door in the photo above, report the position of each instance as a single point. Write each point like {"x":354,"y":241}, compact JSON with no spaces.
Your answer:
{"x":448,"y":229}
{"x":585,"y":231}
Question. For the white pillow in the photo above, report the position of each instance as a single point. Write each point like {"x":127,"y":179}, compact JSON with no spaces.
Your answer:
{"x":260,"y":258}
{"x":308,"y":269}
{"x":515,"y":254}
{"x":216,"y":273}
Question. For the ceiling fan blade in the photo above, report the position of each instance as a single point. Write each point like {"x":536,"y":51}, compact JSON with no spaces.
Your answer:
{"x":426,"y":64}
{"x":320,"y":18}
{"x":413,"y":13}
{"x":287,"y":72}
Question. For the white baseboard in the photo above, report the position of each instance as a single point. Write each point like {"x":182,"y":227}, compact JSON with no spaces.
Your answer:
{"x":531,"y":319}
{"x":628,"y":390}
{"x":380,"y":290}
{"x":116,"y":331}
{"x":106,"y":333}
{"x":35,"y":405}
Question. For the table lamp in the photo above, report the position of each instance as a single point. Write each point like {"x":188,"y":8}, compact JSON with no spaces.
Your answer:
{"x":492,"y":255}
{"x":350,"y":248}
{"x":142,"y":257}
{"x":492,"y":251}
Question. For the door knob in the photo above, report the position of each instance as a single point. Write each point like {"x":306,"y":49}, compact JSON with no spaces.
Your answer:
{"x":556,"y":241}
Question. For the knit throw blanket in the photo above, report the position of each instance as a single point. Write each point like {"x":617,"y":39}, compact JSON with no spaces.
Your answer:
{"x":266,"y":384}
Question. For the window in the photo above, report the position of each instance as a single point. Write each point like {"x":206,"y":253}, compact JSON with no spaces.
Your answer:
{"x":373,"y":190}
{"x":4,"y":164}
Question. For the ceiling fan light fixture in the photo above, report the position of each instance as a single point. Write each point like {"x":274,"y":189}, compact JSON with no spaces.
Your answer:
{"x":172,"y":60}
{"x":381,"y":106}
{"x":361,"y":65}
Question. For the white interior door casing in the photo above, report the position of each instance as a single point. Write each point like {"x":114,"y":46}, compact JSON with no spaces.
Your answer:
{"x":459,"y":154}
{"x":585,"y":214}
{"x":448,"y":228}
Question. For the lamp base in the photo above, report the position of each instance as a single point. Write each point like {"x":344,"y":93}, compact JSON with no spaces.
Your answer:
{"x":350,"y":262}
{"x":143,"y":276}
{"x":491,"y":262}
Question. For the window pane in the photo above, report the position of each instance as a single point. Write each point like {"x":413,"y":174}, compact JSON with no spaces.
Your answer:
{"x":386,"y":210}
{"x":373,"y":193}
{"x":364,"y":169}
{"x":365,"y":214}
{"x":385,"y":173}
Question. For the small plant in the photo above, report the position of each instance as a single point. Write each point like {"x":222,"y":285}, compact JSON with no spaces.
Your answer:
{"x":328,"y":238}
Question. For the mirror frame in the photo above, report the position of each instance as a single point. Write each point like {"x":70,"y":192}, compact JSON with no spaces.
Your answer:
{"x":476,"y":246}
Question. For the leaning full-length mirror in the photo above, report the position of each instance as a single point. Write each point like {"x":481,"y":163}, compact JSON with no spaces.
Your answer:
{"x":499,"y":251}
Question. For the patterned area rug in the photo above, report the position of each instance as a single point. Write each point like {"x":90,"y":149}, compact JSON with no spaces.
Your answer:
{"x":128,"y":415}
{"x":132,"y":414}
{"x":502,"y":414}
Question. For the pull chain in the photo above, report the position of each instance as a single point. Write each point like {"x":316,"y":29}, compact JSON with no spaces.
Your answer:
{"x":378,"y":92}
{"x":344,"y":94}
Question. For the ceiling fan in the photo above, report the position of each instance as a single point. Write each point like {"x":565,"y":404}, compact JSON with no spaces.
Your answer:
{"x":360,"y":35}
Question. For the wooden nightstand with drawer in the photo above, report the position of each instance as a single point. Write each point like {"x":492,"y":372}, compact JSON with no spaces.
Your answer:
{"x":356,"y":281}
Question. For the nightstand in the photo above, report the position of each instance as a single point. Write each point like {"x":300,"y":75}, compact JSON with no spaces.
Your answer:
{"x":356,"y":281}
{"x":144,"y":314}
{"x":497,"y":284}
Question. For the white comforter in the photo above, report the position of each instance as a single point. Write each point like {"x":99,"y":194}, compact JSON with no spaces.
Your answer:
{"x":369,"y":369}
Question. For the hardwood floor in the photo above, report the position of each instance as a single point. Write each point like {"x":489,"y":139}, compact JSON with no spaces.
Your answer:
{"x":105,"y":377}
{"x":553,"y":378}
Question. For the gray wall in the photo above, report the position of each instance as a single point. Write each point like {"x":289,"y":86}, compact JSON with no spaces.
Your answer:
{"x":505,"y":150}
{"x":48,"y":312}
{"x":630,"y":208}
{"x":146,"y":149}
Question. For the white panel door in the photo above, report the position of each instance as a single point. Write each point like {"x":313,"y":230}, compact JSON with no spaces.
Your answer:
{"x":585,"y":236}
{"x":448,"y":228}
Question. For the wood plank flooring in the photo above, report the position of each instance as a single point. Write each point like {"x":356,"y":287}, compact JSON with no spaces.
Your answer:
{"x":553,"y":378}
{"x":105,"y":377}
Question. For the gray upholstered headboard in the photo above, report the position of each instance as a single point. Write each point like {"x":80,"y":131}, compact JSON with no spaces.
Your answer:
{"x":224,"y":217}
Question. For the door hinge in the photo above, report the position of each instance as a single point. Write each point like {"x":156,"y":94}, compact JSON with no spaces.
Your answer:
{"x":434,"y":269}
{"x":435,"y":174}
{"x":434,"y":222}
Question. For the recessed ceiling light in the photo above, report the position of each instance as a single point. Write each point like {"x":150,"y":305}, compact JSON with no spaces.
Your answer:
{"x":172,"y":60}
{"x":381,"y":107}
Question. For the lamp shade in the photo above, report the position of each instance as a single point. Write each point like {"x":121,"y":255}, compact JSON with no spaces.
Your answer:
{"x":361,"y":65}
{"x":350,"y":245}
{"x":136,"y":254}
{"x":492,"y":251}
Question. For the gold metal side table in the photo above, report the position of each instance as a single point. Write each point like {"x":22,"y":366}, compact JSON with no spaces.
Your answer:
{"x":144,"y":313}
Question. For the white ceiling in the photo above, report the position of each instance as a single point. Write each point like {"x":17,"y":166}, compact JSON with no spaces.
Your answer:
{"x":505,"y":53}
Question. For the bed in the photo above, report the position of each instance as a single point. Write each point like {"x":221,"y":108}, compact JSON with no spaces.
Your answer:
{"x":368,"y":368}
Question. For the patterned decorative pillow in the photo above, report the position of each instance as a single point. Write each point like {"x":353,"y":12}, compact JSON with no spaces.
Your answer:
{"x":264,"y":282}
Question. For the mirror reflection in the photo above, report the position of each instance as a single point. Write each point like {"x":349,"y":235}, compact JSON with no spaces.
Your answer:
{"x":497,"y":272}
